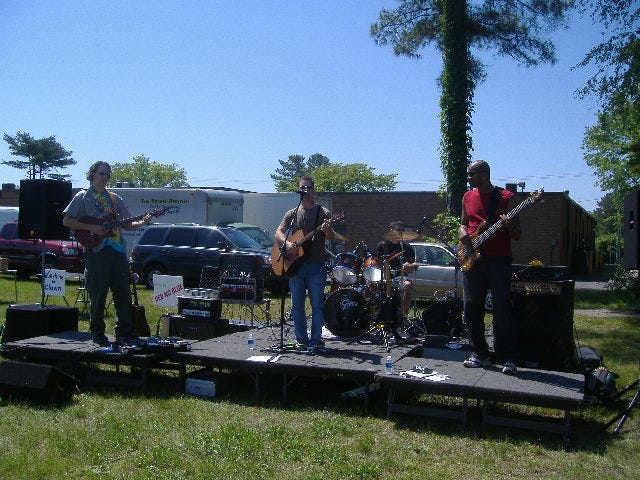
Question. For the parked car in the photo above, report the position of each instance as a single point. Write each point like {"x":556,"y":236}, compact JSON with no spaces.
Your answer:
{"x":258,"y":234}
{"x":183,"y":249}
{"x":26,"y":256}
{"x":436,"y":276}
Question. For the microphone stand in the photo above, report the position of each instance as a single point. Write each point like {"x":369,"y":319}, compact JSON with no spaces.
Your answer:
{"x":283,"y":291}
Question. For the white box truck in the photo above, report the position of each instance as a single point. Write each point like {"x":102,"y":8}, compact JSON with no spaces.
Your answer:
{"x":204,"y":206}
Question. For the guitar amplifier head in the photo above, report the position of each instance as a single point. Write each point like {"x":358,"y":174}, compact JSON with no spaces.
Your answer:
{"x":241,"y":265}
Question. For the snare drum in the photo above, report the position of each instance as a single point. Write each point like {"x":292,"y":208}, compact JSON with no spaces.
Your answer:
{"x":346,"y":269}
{"x":372,"y":269}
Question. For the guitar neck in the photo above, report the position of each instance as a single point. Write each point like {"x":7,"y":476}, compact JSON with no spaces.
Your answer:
{"x":484,"y":236}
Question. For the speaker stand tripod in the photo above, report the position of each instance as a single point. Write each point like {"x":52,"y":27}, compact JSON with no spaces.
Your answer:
{"x":622,"y":416}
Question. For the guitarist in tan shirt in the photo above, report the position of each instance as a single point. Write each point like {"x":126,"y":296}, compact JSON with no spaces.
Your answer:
{"x":303,"y":261}
{"x":488,"y":268}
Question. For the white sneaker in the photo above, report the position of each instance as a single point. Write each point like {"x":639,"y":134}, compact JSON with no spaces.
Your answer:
{"x":475,"y":362}
{"x":509,"y":368}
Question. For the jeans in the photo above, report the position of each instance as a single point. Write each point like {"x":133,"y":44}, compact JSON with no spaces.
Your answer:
{"x":311,"y":277}
{"x":490,"y":274}
{"x":108,"y":269}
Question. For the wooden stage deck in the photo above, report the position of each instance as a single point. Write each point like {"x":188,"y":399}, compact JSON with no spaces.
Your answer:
{"x":361,"y":363}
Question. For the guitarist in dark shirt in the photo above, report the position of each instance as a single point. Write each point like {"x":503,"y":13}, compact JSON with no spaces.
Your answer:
{"x":310,"y":273}
{"x":106,"y":264}
{"x":491,"y":269}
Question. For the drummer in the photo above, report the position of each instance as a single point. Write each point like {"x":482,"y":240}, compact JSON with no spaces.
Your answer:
{"x":395,"y":242}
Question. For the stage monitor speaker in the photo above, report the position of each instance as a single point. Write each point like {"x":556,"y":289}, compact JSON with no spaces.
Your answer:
{"x":33,"y":320}
{"x":545,"y":328}
{"x":630,"y":224}
{"x":41,"y":205}
{"x":42,"y":383}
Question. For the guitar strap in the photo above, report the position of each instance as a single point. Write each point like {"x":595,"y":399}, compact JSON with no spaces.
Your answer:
{"x":113,"y":204}
{"x":493,"y":205}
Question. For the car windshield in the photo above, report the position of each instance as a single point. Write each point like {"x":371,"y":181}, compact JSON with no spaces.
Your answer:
{"x":241,"y":239}
{"x":259,"y":236}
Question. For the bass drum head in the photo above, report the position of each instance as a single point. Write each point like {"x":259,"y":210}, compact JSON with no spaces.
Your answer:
{"x":346,"y":313}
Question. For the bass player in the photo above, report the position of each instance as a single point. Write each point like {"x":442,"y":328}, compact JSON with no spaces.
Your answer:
{"x":310,"y":273}
{"x":482,"y":206}
{"x":106,"y":264}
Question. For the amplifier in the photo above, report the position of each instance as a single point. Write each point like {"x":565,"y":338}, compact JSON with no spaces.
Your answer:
{"x":200,"y":307}
{"x":240,"y":288}
{"x":530,"y":286}
{"x":193,"y":328}
{"x":540,"y":272}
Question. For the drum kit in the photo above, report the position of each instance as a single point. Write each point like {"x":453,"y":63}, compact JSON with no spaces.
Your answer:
{"x":364,"y":301}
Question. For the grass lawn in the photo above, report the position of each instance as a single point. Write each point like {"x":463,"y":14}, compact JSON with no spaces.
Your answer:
{"x":117,"y":433}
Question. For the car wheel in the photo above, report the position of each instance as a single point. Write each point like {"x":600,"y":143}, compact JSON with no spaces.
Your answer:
{"x":150,"y":271}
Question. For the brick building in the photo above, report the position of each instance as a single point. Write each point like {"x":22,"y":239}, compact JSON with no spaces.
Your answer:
{"x":553,"y":228}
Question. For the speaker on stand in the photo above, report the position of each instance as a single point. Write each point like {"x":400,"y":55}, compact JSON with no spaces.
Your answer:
{"x":41,"y":211}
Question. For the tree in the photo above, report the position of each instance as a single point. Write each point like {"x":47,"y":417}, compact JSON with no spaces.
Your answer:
{"x":608,"y":223}
{"x":330,"y":177}
{"x":287,"y":175}
{"x":143,"y":172}
{"x":42,"y":155}
{"x":612,"y":146}
{"x":355,"y":177}
{"x":455,"y":26}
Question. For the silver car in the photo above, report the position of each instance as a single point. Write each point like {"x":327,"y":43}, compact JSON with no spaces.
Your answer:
{"x":436,"y":275}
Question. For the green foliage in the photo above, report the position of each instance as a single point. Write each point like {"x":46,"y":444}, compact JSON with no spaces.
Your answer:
{"x":42,"y":155}
{"x":612,"y":149}
{"x":143,"y":172}
{"x":330,"y":177}
{"x":454,"y":27}
{"x":287,"y":175}
{"x":355,"y":177}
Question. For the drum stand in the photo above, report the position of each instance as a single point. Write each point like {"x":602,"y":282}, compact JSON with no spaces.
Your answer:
{"x":384,"y":324}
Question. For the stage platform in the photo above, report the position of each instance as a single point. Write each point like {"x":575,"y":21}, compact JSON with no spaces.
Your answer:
{"x":360,"y":362}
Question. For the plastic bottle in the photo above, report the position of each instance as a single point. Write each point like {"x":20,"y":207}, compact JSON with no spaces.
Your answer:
{"x":388,"y":365}
{"x":251,"y":342}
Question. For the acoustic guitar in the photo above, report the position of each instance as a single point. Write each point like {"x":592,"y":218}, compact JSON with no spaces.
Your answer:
{"x":89,"y":240}
{"x":284,"y":264}
{"x":468,"y":254}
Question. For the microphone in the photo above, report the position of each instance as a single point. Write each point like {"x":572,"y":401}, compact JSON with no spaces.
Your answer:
{"x":419,"y":230}
{"x":301,"y":192}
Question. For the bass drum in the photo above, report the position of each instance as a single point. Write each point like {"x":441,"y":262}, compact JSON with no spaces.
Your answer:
{"x":347,"y":313}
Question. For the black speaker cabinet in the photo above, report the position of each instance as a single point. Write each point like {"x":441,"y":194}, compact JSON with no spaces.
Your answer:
{"x":42,"y":383}
{"x":545,"y":328}
{"x":41,"y":205}
{"x":33,"y":320}
{"x":194,"y":328}
{"x":630,"y":225}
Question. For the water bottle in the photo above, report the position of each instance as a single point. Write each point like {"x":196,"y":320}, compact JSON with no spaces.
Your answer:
{"x":388,"y":365}
{"x":250,"y":342}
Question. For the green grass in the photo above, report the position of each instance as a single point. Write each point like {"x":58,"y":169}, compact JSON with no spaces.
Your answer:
{"x":117,"y":433}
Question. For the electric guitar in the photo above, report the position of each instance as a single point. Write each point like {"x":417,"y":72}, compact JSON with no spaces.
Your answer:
{"x":283,"y":264}
{"x":89,"y":240}
{"x":467,"y":254}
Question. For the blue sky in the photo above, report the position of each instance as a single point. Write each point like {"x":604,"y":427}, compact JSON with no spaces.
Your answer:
{"x":227,"y":88}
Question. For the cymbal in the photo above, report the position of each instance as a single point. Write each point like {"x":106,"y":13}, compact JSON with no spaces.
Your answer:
{"x":405,"y":236}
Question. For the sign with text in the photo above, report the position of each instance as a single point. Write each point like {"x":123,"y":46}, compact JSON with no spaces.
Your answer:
{"x":54,"y":282}
{"x":166,"y":289}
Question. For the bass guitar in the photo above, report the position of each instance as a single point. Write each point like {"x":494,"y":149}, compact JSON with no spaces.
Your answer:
{"x":140,"y":324}
{"x":89,"y":240}
{"x":467,"y":254}
{"x":283,"y":264}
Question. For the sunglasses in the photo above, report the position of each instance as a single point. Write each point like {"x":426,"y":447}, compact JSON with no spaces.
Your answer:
{"x":471,"y":174}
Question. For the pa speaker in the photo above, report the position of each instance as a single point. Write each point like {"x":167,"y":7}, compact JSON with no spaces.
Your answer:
{"x":545,"y":328}
{"x":41,"y":205}
{"x":33,"y":320}
{"x":631,"y":227}
{"x":42,"y":383}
